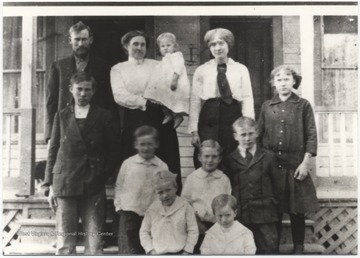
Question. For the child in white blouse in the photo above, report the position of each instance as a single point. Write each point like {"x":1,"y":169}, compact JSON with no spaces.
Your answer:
{"x":227,"y":236}
{"x":204,"y":184}
{"x":134,"y":191}
{"x":169,"y":225}
{"x":169,"y":84}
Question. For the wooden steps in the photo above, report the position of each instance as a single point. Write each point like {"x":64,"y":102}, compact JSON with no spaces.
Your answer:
{"x":309,"y":248}
{"x":42,"y":231}
{"x":286,"y":237}
{"x":38,"y":249}
{"x":34,"y":224}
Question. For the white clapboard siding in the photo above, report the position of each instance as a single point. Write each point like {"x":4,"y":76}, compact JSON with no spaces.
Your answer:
{"x":186,"y":149}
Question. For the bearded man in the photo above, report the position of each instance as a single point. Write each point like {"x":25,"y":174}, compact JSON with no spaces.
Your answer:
{"x":58,"y":95}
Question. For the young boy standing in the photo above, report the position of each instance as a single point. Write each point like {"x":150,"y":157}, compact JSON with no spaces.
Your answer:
{"x":254,"y":186}
{"x":82,"y":156}
{"x":204,"y":184}
{"x":169,"y":225}
{"x":134,"y":191}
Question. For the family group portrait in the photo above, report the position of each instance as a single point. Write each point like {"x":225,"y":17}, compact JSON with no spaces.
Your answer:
{"x":197,"y":128}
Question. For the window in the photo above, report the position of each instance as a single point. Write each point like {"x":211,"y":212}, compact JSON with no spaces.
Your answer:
{"x":12,"y":42}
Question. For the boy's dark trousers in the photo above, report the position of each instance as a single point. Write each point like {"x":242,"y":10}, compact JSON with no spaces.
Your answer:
{"x":128,"y":237}
{"x":91,"y":210}
{"x":203,"y":227}
{"x":265,"y":236}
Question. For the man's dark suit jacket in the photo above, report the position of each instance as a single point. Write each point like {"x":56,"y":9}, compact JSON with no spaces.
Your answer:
{"x":80,"y":163}
{"x":58,"y":95}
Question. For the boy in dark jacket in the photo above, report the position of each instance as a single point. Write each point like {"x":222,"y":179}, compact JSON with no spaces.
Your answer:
{"x":82,"y":156}
{"x":254,"y":185}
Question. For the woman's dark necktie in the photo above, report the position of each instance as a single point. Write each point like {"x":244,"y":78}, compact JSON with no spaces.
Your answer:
{"x":223,"y":84}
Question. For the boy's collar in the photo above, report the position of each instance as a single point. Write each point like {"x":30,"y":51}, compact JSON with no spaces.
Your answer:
{"x":141,"y":160}
{"x":252,"y":150}
{"x":293,"y":98}
{"x":202,"y":173}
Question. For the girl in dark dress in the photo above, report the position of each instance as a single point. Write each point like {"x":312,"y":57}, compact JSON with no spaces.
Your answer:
{"x":287,"y":128}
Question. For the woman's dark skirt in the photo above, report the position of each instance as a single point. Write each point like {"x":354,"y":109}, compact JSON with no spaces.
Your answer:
{"x":215,"y":123}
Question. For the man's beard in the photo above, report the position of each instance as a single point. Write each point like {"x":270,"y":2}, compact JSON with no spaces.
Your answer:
{"x":81,"y":52}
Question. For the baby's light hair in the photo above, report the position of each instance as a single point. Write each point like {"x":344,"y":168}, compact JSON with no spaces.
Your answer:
{"x":243,"y":121}
{"x":146,"y":130}
{"x":287,"y":69}
{"x":164,"y":177}
{"x":168,"y":35}
{"x":222,"y":200}
{"x":210,"y":144}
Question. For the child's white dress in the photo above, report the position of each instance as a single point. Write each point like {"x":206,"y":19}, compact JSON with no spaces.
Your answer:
{"x":158,"y":87}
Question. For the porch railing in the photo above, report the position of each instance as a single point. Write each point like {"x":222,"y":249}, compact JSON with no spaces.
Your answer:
{"x":19,"y":150}
{"x":11,"y":120}
{"x":337,"y":131}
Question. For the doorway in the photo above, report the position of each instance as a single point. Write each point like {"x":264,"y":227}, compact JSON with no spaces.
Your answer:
{"x":108,"y":30}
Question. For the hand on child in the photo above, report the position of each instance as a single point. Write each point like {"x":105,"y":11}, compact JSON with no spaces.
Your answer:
{"x":302,"y":171}
{"x":174,"y":81}
{"x":52,"y":200}
{"x":173,"y":85}
{"x":195,"y":141}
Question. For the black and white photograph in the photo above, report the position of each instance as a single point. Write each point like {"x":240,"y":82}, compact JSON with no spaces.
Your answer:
{"x":180,"y":128}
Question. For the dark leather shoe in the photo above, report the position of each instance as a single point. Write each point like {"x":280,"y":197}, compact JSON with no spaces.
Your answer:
{"x":298,"y":249}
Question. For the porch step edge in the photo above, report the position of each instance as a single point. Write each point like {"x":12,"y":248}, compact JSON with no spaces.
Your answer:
{"x":309,"y":248}
{"x":26,"y":249}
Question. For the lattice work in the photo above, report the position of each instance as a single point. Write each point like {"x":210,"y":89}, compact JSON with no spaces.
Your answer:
{"x":10,"y":227}
{"x":336,"y":229}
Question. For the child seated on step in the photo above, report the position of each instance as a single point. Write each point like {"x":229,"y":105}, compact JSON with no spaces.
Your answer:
{"x":227,"y":236}
{"x":169,"y":225}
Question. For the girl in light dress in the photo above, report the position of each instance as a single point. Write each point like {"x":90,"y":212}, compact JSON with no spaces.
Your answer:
{"x":169,"y":84}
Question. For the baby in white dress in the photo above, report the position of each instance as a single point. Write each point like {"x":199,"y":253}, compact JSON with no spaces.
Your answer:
{"x":169,"y":84}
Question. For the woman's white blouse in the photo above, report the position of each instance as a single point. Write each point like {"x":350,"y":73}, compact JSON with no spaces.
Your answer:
{"x":129,"y":80}
{"x":205,"y":87}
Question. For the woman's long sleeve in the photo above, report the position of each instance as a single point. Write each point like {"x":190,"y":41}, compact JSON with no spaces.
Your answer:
{"x":122,"y":96}
{"x":247,"y":95}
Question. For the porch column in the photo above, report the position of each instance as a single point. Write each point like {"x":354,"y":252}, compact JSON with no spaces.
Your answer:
{"x":27,"y":124}
{"x":307,"y":57}
{"x":307,"y":66}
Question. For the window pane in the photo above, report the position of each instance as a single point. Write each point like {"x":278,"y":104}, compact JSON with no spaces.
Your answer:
{"x":339,"y":88}
{"x":12,"y":27}
{"x":340,"y":24}
{"x":340,"y":50}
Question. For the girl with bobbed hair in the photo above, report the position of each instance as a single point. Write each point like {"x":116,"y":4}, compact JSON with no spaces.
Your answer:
{"x":221,"y":93}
